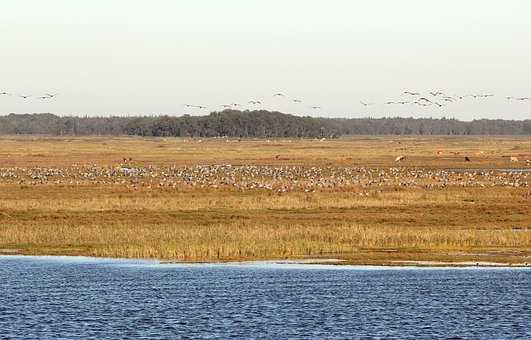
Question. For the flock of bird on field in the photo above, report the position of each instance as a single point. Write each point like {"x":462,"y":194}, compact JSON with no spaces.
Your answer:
{"x":278,"y":179}
{"x":423,"y":99}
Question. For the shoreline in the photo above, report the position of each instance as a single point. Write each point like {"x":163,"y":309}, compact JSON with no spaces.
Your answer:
{"x":310,"y":262}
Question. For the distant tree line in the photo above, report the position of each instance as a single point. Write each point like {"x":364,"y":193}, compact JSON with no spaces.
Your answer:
{"x":257,"y":124}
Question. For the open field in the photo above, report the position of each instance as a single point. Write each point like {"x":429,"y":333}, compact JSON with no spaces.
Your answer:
{"x":221,"y":200}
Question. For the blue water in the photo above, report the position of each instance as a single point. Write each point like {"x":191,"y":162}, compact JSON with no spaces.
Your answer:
{"x":47,"y":297}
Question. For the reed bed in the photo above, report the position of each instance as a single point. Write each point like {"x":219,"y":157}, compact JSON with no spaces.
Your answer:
{"x":237,"y":241}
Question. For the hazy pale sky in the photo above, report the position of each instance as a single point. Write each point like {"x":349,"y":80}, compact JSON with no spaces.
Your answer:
{"x":152,"y":57}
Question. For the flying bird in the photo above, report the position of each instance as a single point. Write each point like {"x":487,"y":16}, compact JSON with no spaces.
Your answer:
{"x":315,"y":107}
{"x":365,"y":104}
{"x":436,"y":93}
{"x":5,"y":94}
{"x":297,"y":101}
{"x":279,"y":95}
{"x":24,"y":96}
{"x":51,"y":95}
{"x":411,"y":93}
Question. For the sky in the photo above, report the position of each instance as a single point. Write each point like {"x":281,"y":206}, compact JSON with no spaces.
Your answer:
{"x":132,"y":57}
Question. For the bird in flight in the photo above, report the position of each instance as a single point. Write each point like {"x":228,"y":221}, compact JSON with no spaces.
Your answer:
{"x":51,"y":95}
{"x":297,"y":101}
{"x":5,"y":94}
{"x":436,"y":93}
{"x":411,"y":93}
{"x":315,"y":107}
{"x":24,"y":96}
{"x":523,"y":98}
{"x":254,"y":102}
{"x":279,"y":95}
{"x":365,"y":104}
{"x":227,"y":106}
{"x":425,"y":100}
{"x":44,"y":97}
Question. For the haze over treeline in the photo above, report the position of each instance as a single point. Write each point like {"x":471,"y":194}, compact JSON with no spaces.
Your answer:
{"x":255,"y":124}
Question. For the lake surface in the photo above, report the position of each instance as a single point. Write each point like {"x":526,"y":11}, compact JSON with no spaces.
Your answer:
{"x":61,"y":297}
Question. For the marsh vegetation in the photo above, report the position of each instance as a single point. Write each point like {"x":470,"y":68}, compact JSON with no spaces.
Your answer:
{"x":228,"y":199}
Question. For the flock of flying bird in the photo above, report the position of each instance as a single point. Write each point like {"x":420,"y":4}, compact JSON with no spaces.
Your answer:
{"x":438,"y":98}
{"x":430,"y":98}
{"x":252,"y":102}
{"x":26,"y":96}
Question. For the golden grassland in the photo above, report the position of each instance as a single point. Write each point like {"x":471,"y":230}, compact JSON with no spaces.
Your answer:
{"x":366,"y":225}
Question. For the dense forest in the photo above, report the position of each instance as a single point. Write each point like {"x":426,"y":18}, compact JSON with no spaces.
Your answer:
{"x":260,"y":124}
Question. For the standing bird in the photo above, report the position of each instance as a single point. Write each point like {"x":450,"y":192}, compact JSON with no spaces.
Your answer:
{"x":467,"y":159}
{"x":400,"y":158}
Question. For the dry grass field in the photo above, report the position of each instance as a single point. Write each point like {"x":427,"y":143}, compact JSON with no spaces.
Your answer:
{"x":224,"y":200}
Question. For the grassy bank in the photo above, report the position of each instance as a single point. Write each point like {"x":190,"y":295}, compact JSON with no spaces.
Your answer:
{"x":365,"y":222}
